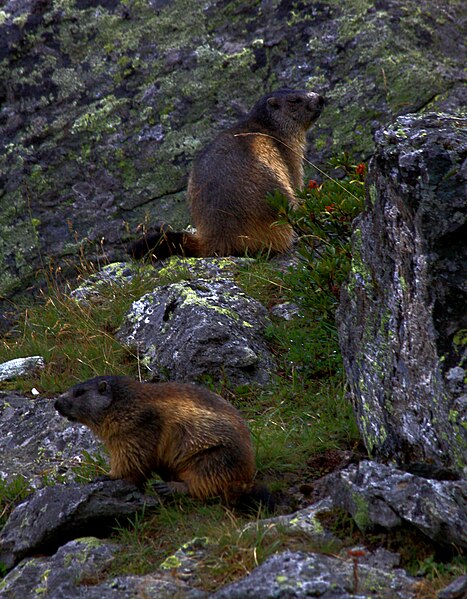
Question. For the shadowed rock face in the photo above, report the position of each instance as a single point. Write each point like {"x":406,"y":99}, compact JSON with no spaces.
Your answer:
{"x":402,"y":318}
{"x":381,"y":496}
{"x":55,"y":515}
{"x":104,"y":104}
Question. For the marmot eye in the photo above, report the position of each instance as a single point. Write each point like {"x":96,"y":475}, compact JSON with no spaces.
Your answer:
{"x":294,"y":100}
{"x":78,"y":392}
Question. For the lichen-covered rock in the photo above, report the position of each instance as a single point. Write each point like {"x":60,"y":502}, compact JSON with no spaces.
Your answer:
{"x":38,"y":444}
{"x":402,"y":319}
{"x":191,"y":329}
{"x":185,"y":562}
{"x":61,"y":574}
{"x":103,"y":104}
{"x":54,"y":515}
{"x":304,"y":521}
{"x":117,"y":275}
{"x":298,"y":575}
{"x":177,"y":267}
{"x":78,"y":571}
{"x":381,"y":496}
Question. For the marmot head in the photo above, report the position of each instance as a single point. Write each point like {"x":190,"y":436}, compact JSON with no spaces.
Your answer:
{"x":288,"y":110}
{"x":87,"y":402}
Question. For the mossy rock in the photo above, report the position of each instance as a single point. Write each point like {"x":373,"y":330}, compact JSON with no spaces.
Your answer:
{"x":104,"y":104}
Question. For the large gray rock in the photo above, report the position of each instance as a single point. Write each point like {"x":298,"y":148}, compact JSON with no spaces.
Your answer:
{"x":402,"y":318}
{"x":76,"y":572}
{"x":381,"y":496}
{"x":36,"y":443}
{"x":103,"y":104}
{"x":298,"y":575}
{"x":54,"y":515}
{"x":191,"y":329}
{"x":59,"y":575}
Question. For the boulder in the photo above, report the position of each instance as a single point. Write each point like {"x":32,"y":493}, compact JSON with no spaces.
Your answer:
{"x":297,"y":575}
{"x":54,"y":515}
{"x":38,"y":444}
{"x":402,"y":319}
{"x":21,"y":367}
{"x":115,"y":275}
{"x":456,"y":590}
{"x":382,"y":496}
{"x":202,"y":328}
{"x":60,"y":574}
{"x":77,"y":571}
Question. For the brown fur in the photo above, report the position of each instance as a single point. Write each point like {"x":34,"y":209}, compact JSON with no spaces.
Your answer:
{"x":232,"y":176}
{"x":189,"y":436}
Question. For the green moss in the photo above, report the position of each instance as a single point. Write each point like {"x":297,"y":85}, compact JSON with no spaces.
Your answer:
{"x":171,"y":563}
{"x":101,"y":117}
{"x":191,"y":297}
{"x":361,"y":514}
{"x":360,"y":275}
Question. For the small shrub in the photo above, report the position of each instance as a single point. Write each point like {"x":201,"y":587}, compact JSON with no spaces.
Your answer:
{"x":323,"y":224}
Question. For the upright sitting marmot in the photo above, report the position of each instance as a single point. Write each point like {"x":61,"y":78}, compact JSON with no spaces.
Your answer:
{"x":232,"y":176}
{"x":189,"y":436}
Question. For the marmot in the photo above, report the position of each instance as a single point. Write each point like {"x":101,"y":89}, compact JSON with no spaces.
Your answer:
{"x":192,"y":438}
{"x":232,"y":176}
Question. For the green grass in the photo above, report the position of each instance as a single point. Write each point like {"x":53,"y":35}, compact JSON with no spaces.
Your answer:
{"x":224,"y":548}
{"x":12,"y":491}
{"x":76,"y":339}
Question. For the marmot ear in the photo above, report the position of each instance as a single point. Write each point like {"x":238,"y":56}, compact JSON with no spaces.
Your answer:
{"x":102,"y":387}
{"x":273,"y":102}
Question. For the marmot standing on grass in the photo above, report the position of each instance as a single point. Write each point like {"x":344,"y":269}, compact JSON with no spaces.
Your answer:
{"x":232,"y":176}
{"x":192,"y":438}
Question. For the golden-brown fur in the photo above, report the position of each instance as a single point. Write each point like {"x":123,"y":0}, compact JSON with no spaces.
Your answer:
{"x":189,"y":436}
{"x":232,"y":176}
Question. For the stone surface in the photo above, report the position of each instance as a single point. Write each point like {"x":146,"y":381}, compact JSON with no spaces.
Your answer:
{"x":286,"y":311}
{"x":60,"y":574}
{"x":379,"y":495}
{"x":77,"y":571}
{"x":291,"y":574}
{"x":456,"y":590}
{"x":115,"y":275}
{"x":103,"y":104}
{"x":191,"y":329}
{"x":303,"y":521}
{"x":39,"y":445}
{"x":402,"y":319}
{"x":54,"y":515}
{"x":21,"y":367}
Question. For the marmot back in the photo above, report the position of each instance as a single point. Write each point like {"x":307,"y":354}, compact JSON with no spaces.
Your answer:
{"x":232,"y":176}
{"x":192,"y":438}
